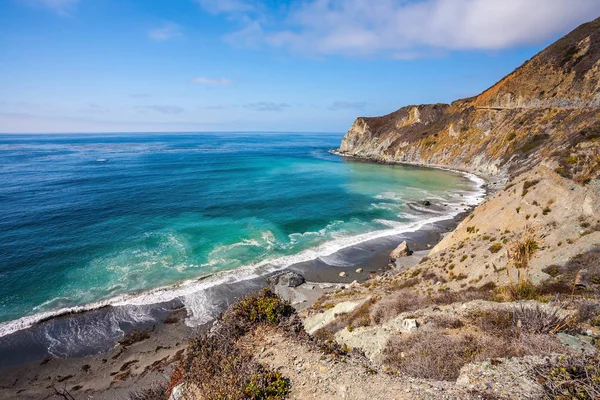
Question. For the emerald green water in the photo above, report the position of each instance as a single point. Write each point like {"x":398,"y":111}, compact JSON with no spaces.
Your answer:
{"x":90,"y":219}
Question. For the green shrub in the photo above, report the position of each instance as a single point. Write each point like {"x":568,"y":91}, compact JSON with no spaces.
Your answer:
{"x":496,"y":247}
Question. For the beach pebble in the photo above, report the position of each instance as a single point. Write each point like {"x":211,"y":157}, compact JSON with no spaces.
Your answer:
{"x":358,"y":271}
{"x":342,"y":274}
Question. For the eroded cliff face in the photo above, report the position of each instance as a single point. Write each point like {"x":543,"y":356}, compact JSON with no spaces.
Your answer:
{"x":548,"y":110}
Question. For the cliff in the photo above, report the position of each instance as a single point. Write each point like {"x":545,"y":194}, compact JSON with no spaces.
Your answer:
{"x":547,"y":110}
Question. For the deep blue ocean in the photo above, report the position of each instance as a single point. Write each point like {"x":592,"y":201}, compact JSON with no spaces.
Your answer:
{"x":91,"y":219}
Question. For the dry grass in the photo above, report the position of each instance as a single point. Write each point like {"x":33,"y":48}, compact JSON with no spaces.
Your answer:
{"x":435,"y":353}
{"x":439,"y":356}
{"x":520,"y":251}
{"x":357,"y":318}
{"x":402,"y":301}
{"x":407,"y":300}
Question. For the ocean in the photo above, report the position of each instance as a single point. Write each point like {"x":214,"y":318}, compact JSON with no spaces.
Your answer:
{"x":134,"y":219}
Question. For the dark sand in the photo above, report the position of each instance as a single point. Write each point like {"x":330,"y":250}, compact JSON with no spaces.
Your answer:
{"x":114,"y":370}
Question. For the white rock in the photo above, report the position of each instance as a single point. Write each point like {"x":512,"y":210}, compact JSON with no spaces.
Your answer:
{"x":342,"y":274}
{"x":177,"y":393}
{"x":410,"y":324}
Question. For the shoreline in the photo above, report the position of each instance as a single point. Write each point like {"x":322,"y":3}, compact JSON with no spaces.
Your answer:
{"x":124,"y":368}
{"x":167,"y":339}
{"x":314,"y":269}
{"x":490,"y":184}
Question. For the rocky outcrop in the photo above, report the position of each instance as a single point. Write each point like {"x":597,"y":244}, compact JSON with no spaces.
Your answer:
{"x":546,"y":108}
{"x":401,"y":251}
{"x":288,"y":279}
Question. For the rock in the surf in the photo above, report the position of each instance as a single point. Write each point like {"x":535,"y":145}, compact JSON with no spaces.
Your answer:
{"x":401,"y":251}
{"x":289,"y":279}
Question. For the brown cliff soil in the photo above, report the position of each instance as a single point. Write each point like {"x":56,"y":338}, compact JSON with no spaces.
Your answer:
{"x":548,"y":110}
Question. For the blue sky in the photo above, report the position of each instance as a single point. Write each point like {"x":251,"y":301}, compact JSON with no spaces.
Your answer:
{"x":251,"y":65}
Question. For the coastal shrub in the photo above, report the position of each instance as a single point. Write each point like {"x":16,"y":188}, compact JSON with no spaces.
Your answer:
{"x":447,"y":322}
{"x":573,"y":377}
{"x":589,"y":311}
{"x":215,"y":367}
{"x":537,"y":320}
{"x":217,"y":370}
{"x":328,"y":345}
{"x":565,"y":275}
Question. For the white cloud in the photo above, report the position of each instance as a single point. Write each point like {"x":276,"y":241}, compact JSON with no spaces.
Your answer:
{"x":61,"y":7}
{"x":211,"y":81}
{"x":267,"y":106}
{"x":166,"y":32}
{"x":413,"y":29}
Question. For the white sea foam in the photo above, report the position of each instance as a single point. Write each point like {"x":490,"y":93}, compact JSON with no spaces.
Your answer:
{"x":188,"y":290}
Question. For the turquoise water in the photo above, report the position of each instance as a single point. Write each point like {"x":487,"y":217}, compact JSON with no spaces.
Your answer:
{"x":90,"y":218}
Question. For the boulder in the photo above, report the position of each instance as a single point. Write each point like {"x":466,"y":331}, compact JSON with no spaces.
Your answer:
{"x":410,"y":324}
{"x":401,"y":251}
{"x":426,"y":203}
{"x":288,"y":278}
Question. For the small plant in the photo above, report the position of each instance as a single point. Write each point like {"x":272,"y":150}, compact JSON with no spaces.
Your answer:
{"x":527,"y":185}
{"x":518,"y":209}
{"x":576,"y":377}
{"x":496,"y":247}
{"x":537,"y":320}
{"x":520,"y":251}
{"x":552,"y":270}
{"x":546,"y":210}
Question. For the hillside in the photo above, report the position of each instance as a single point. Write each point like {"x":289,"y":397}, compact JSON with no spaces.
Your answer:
{"x":547,"y":110}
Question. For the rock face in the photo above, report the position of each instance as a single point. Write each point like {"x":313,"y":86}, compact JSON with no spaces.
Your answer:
{"x":401,"y":251}
{"x":289,"y":279}
{"x":549,"y":105}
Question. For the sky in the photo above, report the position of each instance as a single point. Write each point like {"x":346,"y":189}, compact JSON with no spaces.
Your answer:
{"x":257,"y":65}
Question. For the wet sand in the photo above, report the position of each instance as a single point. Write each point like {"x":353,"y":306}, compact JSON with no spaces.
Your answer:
{"x":113,"y":373}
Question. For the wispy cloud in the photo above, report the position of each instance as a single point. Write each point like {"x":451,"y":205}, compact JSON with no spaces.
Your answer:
{"x":93,"y":108}
{"x":163,"y":109}
{"x":140,"y":95}
{"x":345,"y":105}
{"x":201,"y":80}
{"x":168,"y":31}
{"x":411,"y":29}
{"x":267,"y":106}
{"x":60,"y":7}
{"x":227,"y":6}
